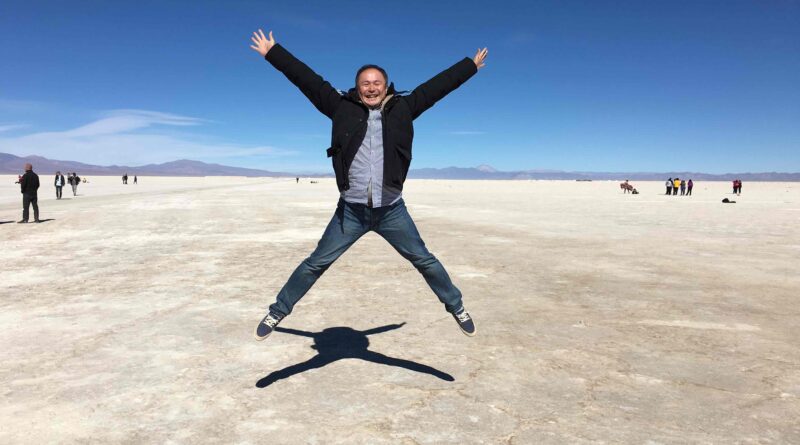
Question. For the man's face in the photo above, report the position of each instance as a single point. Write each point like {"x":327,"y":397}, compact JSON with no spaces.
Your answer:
{"x":371,"y":87}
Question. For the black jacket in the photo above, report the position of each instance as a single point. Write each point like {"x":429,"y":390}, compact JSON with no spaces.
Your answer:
{"x":349,"y":115}
{"x":29,"y":183}
{"x":55,"y":181}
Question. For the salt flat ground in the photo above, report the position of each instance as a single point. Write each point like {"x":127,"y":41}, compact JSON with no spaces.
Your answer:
{"x":602,"y":317}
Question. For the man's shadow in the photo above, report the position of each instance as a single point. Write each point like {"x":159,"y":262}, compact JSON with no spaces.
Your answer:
{"x":339,"y":343}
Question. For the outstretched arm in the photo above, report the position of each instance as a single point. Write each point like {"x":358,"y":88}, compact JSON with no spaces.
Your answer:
{"x":388,"y":327}
{"x":430,"y":92}
{"x":324,"y":97}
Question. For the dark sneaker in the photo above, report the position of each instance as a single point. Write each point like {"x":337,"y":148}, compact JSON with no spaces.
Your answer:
{"x":22,"y":221}
{"x":266,"y":326}
{"x":465,"y":322}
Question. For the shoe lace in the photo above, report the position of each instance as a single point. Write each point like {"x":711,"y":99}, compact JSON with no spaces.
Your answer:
{"x":463,"y":317}
{"x":271,"y":321}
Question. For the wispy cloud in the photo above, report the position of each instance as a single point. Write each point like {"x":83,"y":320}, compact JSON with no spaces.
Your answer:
{"x":133,"y":137}
{"x":9,"y":127}
{"x":467,"y":133}
{"x":121,"y":121}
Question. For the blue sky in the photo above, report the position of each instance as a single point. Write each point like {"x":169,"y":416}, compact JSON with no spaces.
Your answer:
{"x":661,"y":86}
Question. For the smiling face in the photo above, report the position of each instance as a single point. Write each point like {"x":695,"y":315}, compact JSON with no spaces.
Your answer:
{"x":371,"y":87}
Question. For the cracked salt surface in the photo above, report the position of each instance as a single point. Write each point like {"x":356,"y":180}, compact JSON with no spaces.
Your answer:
{"x":128,"y":317}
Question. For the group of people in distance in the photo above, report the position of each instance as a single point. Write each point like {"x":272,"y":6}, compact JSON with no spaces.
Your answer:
{"x":125,"y":179}
{"x":628,"y":188}
{"x":737,"y":186}
{"x":673,"y":185}
{"x":29,"y":187}
{"x":73,"y":180}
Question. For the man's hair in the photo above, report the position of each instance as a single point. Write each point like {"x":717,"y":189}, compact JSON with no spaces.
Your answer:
{"x":374,"y":67}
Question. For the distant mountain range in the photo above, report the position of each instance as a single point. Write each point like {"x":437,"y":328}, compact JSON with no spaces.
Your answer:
{"x":14,"y":164}
{"x":11,"y":164}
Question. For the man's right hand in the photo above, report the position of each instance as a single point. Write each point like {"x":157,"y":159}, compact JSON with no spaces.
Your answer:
{"x":262,"y":43}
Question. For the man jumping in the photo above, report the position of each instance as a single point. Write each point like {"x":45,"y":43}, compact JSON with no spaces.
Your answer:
{"x":371,"y":153}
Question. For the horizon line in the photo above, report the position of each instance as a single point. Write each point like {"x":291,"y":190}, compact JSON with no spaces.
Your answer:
{"x":477,"y":168}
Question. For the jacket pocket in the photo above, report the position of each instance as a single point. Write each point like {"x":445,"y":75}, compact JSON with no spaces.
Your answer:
{"x":337,"y":159}
{"x":333,"y":151}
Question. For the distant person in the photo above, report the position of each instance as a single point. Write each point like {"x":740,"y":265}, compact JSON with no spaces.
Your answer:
{"x":738,"y":186}
{"x":59,"y":183}
{"x":626,"y":187}
{"x":125,"y":178}
{"x":29,"y":187}
{"x":296,"y":180}
{"x":683,"y":187}
{"x":735,"y":184}
{"x":669,"y":186}
{"x":84,"y":180}
{"x":675,"y":184}
{"x":135,"y":179}
{"x":689,"y":185}
{"x":371,"y":149}
{"x":74,"y":180}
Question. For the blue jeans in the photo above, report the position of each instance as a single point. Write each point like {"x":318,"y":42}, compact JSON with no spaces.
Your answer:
{"x":348,"y":224}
